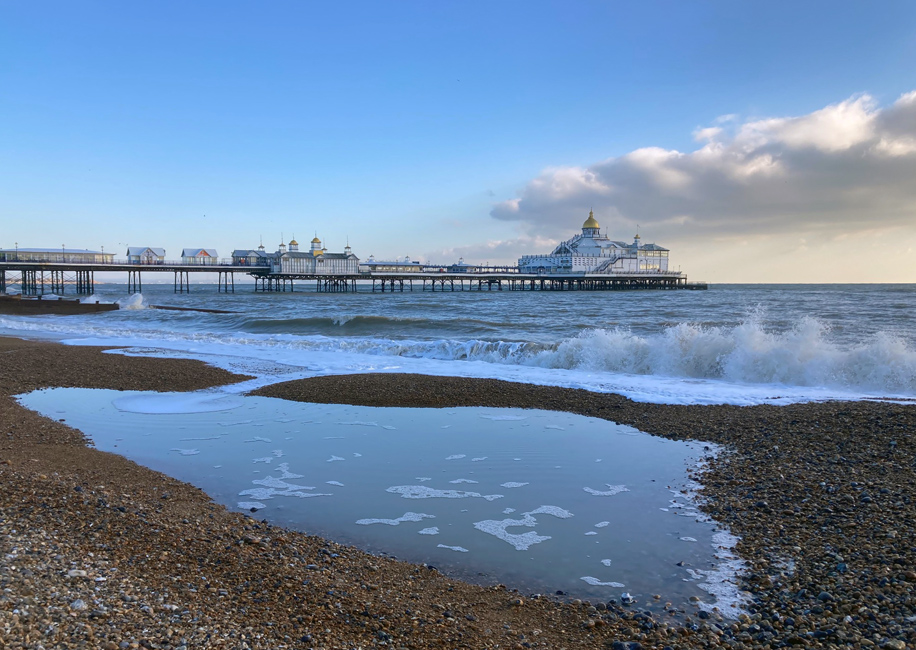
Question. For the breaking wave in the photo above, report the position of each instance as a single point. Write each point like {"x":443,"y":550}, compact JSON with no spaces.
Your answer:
{"x":802,"y":355}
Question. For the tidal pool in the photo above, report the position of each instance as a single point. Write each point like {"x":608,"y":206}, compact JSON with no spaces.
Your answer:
{"x":538,"y":500}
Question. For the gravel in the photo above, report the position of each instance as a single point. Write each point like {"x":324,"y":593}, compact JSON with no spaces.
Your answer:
{"x":98,"y":552}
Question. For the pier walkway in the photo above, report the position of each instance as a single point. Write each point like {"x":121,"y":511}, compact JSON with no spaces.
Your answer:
{"x":40,"y":278}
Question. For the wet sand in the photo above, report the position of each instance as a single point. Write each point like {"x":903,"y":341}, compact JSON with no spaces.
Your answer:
{"x":99,"y":552}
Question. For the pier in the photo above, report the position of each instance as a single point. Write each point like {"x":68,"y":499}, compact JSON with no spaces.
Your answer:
{"x":35,"y":278}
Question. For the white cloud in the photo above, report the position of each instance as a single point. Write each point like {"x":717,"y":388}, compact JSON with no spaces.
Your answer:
{"x":844,"y":168}
{"x":709,"y":133}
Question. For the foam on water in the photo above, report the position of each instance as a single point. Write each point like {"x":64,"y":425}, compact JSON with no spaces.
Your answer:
{"x":459,"y":549}
{"x":512,"y":484}
{"x":433,"y":530}
{"x":611,"y":491}
{"x":524,"y":541}
{"x":595,"y":582}
{"x":407,"y":516}
{"x":423,"y":492}
{"x":132,"y":302}
{"x":186,"y":452}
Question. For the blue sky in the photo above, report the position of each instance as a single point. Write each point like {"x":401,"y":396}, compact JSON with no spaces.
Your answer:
{"x":404,"y":126}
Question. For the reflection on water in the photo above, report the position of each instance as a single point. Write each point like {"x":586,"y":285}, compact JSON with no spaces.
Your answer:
{"x":538,"y":500}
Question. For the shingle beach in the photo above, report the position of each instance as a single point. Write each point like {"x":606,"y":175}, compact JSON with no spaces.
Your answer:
{"x":99,"y":552}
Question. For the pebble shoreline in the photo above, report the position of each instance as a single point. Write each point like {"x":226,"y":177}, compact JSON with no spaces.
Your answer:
{"x":98,"y":552}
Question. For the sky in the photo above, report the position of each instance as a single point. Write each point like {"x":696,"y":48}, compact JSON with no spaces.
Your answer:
{"x":758,"y":141}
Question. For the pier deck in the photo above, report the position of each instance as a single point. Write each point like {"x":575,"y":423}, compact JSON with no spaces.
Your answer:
{"x":38,"y":278}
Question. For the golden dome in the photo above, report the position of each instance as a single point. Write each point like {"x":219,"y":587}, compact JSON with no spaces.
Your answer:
{"x":316,"y":241}
{"x":590,"y":222}
{"x":293,"y":242}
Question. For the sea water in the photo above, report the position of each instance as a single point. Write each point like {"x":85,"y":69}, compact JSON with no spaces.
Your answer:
{"x":738,"y":344}
{"x":539,"y":500}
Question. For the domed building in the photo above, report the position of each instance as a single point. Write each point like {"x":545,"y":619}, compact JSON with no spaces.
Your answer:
{"x":592,"y":252}
{"x":290,"y":260}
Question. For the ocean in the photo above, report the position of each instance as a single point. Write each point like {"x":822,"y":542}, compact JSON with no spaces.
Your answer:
{"x":735,"y":344}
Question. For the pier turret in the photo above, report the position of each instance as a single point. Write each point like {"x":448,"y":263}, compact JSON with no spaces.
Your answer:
{"x":293,"y":245}
{"x":316,"y":247}
{"x":590,"y":228}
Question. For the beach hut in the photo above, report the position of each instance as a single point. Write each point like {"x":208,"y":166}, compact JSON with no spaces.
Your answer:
{"x":145,"y":255}
{"x":199,"y":256}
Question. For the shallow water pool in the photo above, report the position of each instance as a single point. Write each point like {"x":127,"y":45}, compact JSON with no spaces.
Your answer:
{"x":538,"y":500}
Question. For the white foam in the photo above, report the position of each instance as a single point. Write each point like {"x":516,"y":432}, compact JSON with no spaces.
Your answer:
{"x":334,"y":459}
{"x":423,"y":478}
{"x":280,"y":484}
{"x":556,"y":427}
{"x":266,"y":459}
{"x":512,"y":484}
{"x":175,"y":403}
{"x":423,"y":492}
{"x":606,"y":562}
{"x":248,"y":505}
{"x":407,"y":516}
{"x":337,"y":483}
{"x":504,"y":418}
{"x":688,"y":539}
{"x":521,"y":542}
{"x":591,"y":532}
{"x":508,"y":511}
{"x":463,"y":480}
{"x":132,"y":302}
{"x":433,"y":530}
{"x":595,"y":582}
{"x":611,"y":491}
{"x":355,"y":455}
{"x":186,"y":452}
{"x":283,"y":468}
{"x":477,"y":460}
{"x":258,"y":439}
{"x":359,"y":424}
{"x":554,"y":511}
{"x":455,"y":457}
{"x":602,"y":524}
{"x":460,"y":549}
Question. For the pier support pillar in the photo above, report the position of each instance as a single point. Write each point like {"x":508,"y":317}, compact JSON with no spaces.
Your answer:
{"x":134,"y":283}
{"x":85,"y":283}
{"x":226,"y":282}
{"x":182,"y":283}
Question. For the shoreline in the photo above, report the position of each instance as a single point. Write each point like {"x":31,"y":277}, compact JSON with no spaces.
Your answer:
{"x":849,"y":547}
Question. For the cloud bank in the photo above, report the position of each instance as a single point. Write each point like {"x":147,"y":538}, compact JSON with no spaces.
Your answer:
{"x":846,"y":168}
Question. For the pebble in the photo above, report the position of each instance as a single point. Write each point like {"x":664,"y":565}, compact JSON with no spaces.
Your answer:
{"x":812,"y":535}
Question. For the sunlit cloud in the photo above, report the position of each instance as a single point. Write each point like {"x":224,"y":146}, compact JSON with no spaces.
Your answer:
{"x":845,"y":168}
